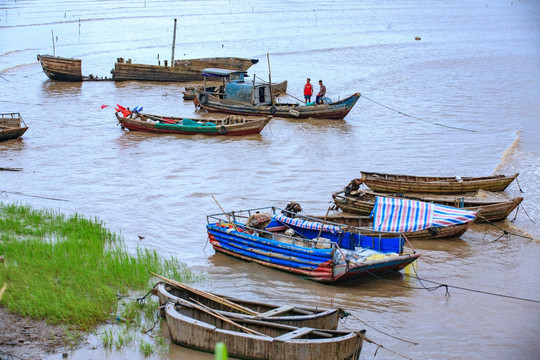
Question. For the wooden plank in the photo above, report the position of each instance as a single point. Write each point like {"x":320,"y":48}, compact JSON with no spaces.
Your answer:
{"x":276,"y":311}
{"x":294,"y":334}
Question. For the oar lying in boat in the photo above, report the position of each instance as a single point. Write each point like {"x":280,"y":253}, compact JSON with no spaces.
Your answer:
{"x":197,"y":305}
{"x":211,"y":311}
{"x":208,"y":295}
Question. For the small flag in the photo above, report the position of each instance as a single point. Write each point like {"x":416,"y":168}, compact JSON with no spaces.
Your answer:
{"x":104,"y":106}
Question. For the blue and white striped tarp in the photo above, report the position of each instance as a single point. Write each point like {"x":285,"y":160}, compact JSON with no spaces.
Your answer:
{"x":305,"y":224}
{"x":401,"y":215}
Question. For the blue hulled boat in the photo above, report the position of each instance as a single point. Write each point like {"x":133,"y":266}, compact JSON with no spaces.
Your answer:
{"x":316,"y":249}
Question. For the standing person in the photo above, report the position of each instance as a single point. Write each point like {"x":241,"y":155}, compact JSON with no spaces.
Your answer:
{"x":322,"y":92}
{"x":308,"y":91}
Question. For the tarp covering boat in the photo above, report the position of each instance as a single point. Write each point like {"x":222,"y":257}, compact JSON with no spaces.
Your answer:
{"x":402,"y":215}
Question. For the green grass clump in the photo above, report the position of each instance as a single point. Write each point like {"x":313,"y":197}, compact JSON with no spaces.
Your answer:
{"x":69,"y":269}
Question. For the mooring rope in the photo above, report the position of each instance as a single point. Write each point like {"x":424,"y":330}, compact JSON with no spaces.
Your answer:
{"x":447,"y":287}
{"x":382,"y":332}
{"x":417,"y":118}
{"x":36,"y":196}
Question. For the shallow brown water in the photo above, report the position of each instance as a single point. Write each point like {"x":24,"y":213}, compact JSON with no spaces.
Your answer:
{"x":468,"y":71}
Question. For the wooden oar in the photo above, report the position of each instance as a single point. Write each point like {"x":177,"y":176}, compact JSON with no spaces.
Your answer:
{"x":208,"y":295}
{"x":210,"y":311}
{"x":227,"y":215}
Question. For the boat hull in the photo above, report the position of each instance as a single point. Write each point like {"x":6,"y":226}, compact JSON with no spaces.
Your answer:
{"x":11,"y":126}
{"x":182,"y":71}
{"x":431,"y":233}
{"x":62,"y":69}
{"x":362,"y":204}
{"x":434,"y":185}
{"x":300,"y":316}
{"x":198,"y":330}
{"x":247,"y":127}
{"x":311,"y":263}
{"x":337,"y":110}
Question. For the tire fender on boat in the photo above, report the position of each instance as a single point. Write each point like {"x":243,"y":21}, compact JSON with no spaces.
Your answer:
{"x":203,"y":98}
{"x":222,"y":130}
{"x":273,"y":110}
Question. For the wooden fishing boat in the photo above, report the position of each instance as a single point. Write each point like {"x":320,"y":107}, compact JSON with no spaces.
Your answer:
{"x":12,"y":126}
{"x":323,"y":252}
{"x":297,"y":315}
{"x":434,"y":184}
{"x":336,"y":110}
{"x":59,"y":68}
{"x":361,"y":202}
{"x":183,"y":70}
{"x":365,"y":223}
{"x":199,"y":328}
{"x":228,"y":125}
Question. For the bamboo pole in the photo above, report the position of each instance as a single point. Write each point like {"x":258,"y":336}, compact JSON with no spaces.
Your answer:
{"x":197,"y":305}
{"x":270,"y":79}
{"x":227,"y":215}
{"x":208,"y":295}
{"x":173,"y":44}
{"x":53,"y":47}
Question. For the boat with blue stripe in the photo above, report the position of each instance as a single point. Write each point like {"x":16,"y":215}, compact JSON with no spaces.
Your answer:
{"x":316,"y":249}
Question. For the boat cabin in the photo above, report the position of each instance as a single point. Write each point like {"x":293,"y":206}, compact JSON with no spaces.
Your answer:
{"x":235,"y":88}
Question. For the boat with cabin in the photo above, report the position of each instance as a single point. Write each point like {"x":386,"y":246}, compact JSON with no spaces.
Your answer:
{"x":250,"y":98}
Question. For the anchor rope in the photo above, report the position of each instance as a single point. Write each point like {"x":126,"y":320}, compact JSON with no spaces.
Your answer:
{"x":447,"y":287}
{"x":417,"y":118}
{"x":4,"y":192}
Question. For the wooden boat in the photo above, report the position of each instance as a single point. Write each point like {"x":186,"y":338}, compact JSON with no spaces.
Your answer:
{"x":59,"y":68}
{"x":305,"y":246}
{"x":183,"y":70}
{"x":301,"y":316}
{"x":434,"y":185}
{"x":365,"y":223}
{"x":228,"y":125}
{"x":12,"y":126}
{"x":336,"y":110}
{"x":362,"y":201}
{"x":197,"y":327}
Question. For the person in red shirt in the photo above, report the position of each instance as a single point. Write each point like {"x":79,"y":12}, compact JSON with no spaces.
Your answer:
{"x":308,"y":91}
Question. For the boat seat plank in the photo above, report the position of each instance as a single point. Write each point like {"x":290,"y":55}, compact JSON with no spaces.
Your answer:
{"x":294,"y":334}
{"x":276,"y":311}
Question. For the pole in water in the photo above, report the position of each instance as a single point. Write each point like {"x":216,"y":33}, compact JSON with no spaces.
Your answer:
{"x":53,"y":48}
{"x":173,"y":43}
{"x":221,"y":351}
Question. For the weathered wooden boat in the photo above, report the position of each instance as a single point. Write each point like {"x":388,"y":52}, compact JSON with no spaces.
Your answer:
{"x":361,"y":202}
{"x":228,"y":125}
{"x":417,"y":220}
{"x":434,"y":184}
{"x":336,"y":110}
{"x":297,"y":315}
{"x":324,"y":252}
{"x":12,"y":126}
{"x":197,"y":327}
{"x":259,"y":99}
{"x":59,"y":68}
{"x":182,"y":71}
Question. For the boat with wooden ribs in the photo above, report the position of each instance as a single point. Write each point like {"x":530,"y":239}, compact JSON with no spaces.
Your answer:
{"x":361,"y":202}
{"x":12,"y":126}
{"x":181,"y":71}
{"x":295,"y":315}
{"x":417,"y":220}
{"x":317,"y":250}
{"x":199,"y":327}
{"x":434,"y":184}
{"x":60,"y":68}
{"x":227,"y":125}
